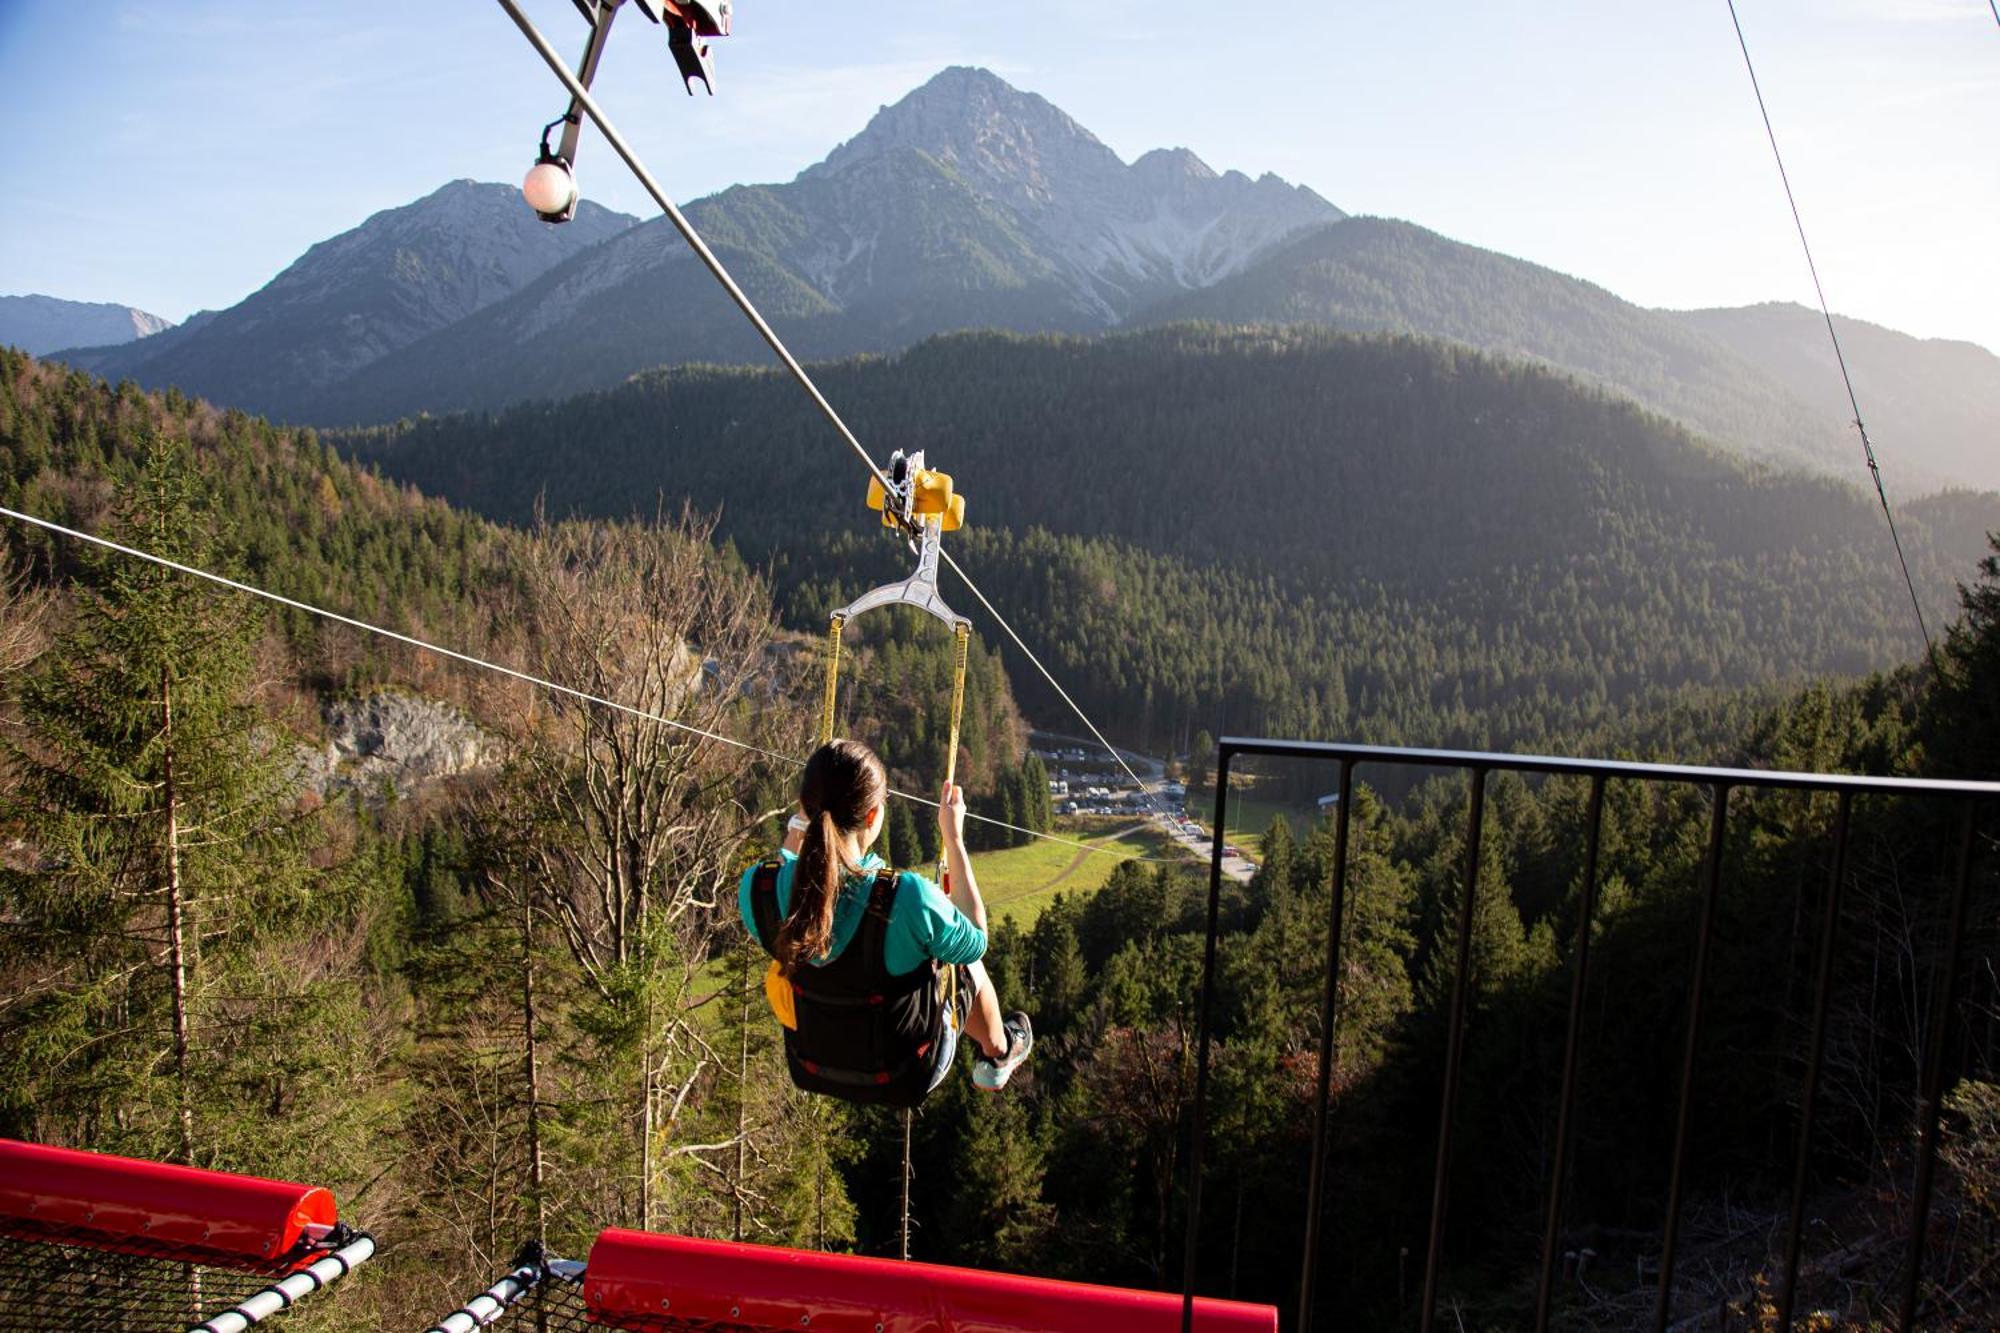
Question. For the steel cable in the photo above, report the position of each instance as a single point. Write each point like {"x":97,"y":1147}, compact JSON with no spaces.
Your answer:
{"x":1826,"y":312}
{"x":581,"y":96}
{"x":251,"y":589}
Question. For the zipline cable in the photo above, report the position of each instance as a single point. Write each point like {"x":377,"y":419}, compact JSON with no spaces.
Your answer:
{"x":251,"y":589}
{"x":582,"y":98}
{"x":1826,"y":312}
{"x":611,"y":135}
{"x":1030,"y":653}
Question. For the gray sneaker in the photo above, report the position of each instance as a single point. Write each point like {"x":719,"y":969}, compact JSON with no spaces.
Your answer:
{"x":992,"y":1075}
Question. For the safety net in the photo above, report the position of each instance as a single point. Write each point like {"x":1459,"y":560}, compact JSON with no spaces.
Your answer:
{"x":66,"y":1279}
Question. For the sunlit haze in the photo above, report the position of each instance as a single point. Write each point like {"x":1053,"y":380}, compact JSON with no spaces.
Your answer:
{"x":183,"y":154}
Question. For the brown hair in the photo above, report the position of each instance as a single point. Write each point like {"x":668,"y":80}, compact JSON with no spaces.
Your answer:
{"x":843,"y":781}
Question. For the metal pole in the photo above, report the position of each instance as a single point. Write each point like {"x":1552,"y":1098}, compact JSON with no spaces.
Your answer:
{"x":903,"y":1229}
{"x":582,"y":98}
{"x":283,"y":1294}
{"x":1223,"y":753}
{"x":1329,"y":1013}
{"x":1829,"y":940}
{"x":1944,"y":1002}
{"x":1586,"y":913}
{"x":1718,"y":826}
{"x":487,"y":1307}
{"x":1453,"y":1053}
{"x":593,"y":52}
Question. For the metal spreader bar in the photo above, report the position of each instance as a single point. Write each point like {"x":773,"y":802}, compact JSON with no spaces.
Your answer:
{"x":919,"y":590}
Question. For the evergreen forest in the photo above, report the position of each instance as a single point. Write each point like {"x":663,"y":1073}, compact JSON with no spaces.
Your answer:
{"x":1285,"y":532}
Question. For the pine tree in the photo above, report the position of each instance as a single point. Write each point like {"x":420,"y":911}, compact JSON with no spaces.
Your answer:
{"x":1964,"y":736}
{"x":164,"y":853}
{"x":1201,"y":759}
{"x":1035,"y":785}
{"x":1280,"y":864}
{"x":903,"y":846}
{"x":1057,"y":971}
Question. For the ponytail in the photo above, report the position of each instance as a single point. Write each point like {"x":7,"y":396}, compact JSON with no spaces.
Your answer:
{"x":822,"y":865}
{"x":842,"y":782}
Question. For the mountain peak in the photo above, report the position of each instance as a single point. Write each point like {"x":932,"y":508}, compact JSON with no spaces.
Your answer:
{"x":1013,"y":144}
{"x":1173,"y":164}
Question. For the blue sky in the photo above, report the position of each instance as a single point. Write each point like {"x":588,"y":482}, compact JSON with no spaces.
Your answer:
{"x":174,"y":156}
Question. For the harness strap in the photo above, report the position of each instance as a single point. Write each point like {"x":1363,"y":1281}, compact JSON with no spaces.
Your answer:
{"x":871,"y":937}
{"x":873,"y":942}
{"x":857,"y":1078}
{"x":764,"y":903}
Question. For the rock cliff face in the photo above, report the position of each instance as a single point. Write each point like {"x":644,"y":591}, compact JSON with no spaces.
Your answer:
{"x":395,"y":739}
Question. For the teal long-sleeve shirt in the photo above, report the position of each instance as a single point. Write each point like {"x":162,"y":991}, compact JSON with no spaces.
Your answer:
{"x":923,"y":923}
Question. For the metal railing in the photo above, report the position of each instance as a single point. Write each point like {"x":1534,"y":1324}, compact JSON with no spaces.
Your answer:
{"x":1719,"y":782}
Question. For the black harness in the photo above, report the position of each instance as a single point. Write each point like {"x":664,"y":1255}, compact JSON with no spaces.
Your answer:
{"x":863,"y":1035}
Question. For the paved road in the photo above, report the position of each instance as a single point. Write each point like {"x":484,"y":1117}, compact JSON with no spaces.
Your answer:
{"x":1238,"y":868}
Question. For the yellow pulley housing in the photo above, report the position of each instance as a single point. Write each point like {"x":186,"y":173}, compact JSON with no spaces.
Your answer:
{"x":930,"y":493}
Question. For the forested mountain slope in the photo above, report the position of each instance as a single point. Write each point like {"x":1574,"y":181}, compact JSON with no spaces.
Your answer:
{"x":305,"y":523}
{"x":300,"y":519}
{"x":1376,"y":536}
{"x":1932,"y":404}
{"x":1371,"y":275}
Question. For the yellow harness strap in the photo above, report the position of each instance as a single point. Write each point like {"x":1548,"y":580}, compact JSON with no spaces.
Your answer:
{"x":826,"y":708}
{"x":778,"y":992}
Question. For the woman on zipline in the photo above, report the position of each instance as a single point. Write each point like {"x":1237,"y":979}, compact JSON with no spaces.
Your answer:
{"x":876,"y":971}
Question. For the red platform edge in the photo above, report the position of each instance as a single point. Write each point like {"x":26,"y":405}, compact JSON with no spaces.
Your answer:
{"x":638,"y":1279}
{"x":149,"y":1207}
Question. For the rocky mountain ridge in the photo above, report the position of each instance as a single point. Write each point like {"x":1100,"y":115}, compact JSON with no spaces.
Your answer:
{"x":967,"y":204}
{"x":39,"y":324}
{"x":971,"y":204}
{"x":1128,"y":234}
{"x":350,"y":300}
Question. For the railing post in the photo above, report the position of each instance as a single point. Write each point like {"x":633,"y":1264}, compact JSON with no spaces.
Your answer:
{"x":1224,"y":752}
{"x":1586,"y":912}
{"x":1718,"y":826}
{"x":1329,"y":1012}
{"x":1454,"y":1054}
{"x":1944,"y":1002}
{"x":1829,"y":940}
